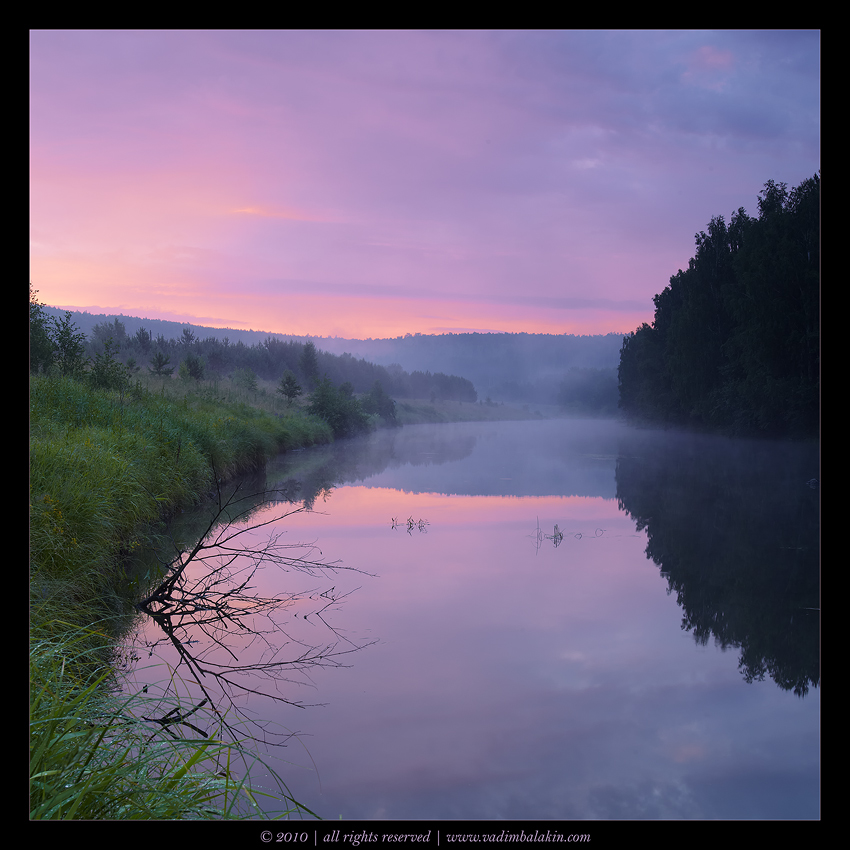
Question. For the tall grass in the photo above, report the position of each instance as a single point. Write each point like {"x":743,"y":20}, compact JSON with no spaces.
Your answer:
{"x":97,"y":753}
{"x":104,"y":468}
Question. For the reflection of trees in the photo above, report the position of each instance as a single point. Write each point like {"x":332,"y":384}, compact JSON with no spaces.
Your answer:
{"x":225,"y":633}
{"x":734,"y":526}
{"x":555,"y":457}
{"x":313,"y":474}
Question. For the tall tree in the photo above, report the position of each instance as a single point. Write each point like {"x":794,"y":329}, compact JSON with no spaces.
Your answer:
{"x":114,"y":330}
{"x":106,"y":371}
{"x":41,"y":345}
{"x":309,"y":363}
{"x":69,"y":346}
{"x":338,"y":407}
{"x":774,"y":351}
{"x":289,"y":387}
{"x":735,"y":343}
{"x":143,"y":340}
{"x":377,"y":401}
{"x":192,"y":367}
{"x":159,"y":365}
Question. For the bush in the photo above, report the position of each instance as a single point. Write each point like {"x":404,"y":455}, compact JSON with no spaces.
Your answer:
{"x":192,"y":368}
{"x":108,"y":373}
{"x":245,"y":378}
{"x":339,"y":409}
{"x":378,"y":402}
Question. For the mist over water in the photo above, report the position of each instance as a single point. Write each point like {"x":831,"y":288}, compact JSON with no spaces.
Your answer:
{"x":582,"y":620}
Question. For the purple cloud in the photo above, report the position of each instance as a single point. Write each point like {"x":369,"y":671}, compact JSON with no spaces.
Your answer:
{"x":563,"y":167}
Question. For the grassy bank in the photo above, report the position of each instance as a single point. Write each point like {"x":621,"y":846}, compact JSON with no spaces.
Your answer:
{"x":96,"y":755}
{"x":105,"y":467}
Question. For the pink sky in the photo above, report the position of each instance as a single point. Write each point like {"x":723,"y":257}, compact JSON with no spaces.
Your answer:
{"x":364,"y":184}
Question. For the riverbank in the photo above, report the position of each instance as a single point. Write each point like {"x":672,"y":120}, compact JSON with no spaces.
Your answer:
{"x":106,"y":469}
{"x":105,"y":465}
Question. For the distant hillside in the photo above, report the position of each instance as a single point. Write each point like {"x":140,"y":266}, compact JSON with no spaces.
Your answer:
{"x":169,"y":330}
{"x":575,"y":371}
{"x":210,"y":353}
{"x":506,"y":366}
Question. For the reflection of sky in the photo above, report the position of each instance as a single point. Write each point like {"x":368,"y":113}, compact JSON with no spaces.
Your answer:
{"x":558,"y":683}
{"x":561,"y":457}
{"x":509,"y":681}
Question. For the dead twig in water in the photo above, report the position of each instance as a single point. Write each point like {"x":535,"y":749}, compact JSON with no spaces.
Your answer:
{"x":209,"y":593}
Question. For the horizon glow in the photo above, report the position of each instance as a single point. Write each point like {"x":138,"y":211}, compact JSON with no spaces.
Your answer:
{"x":372,"y":184}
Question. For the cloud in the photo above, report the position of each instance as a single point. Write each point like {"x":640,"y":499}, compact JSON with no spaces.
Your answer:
{"x":290,"y":214}
{"x":555,"y":166}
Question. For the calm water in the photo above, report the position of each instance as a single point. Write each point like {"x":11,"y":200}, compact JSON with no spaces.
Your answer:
{"x":655,"y":655}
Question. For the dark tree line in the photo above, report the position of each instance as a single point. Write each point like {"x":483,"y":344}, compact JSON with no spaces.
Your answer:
{"x":735,"y":343}
{"x":515,"y":368}
{"x":110,"y":357}
{"x":57,"y":345}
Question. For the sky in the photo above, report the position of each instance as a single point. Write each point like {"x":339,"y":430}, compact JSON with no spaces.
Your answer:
{"x":372,"y":184}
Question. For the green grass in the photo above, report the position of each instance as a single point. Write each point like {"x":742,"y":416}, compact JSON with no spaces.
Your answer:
{"x":95,"y":753}
{"x":105,"y":468}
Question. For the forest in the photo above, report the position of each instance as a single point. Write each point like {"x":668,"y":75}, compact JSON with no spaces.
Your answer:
{"x":514,"y":368}
{"x":56,"y":340}
{"x":575,"y":373}
{"x":735,"y":343}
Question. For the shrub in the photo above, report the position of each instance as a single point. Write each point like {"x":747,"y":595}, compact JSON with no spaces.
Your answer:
{"x":339,"y":409}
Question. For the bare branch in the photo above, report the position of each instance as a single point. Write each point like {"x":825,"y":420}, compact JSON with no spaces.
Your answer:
{"x":209,"y":595}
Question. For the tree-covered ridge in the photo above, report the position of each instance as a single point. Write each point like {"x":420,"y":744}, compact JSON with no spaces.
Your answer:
{"x":516,"y":368}
{"x":576,"y":373}
{"x":735,"y":344}
{"x":194,"y":357}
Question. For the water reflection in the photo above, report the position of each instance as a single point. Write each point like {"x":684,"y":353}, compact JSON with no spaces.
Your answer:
{"x":484,"y":459}
{"x":527,"y":661}
{"x":219,"y":618}
{"x":734,"y":526}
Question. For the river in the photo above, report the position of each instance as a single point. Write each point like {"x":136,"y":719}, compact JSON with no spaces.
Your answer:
{"x":563,"y":619}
